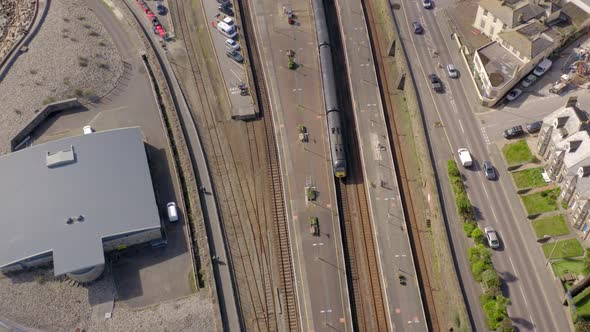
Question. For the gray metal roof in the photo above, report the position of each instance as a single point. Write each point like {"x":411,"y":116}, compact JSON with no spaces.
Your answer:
{"x":108,"y":182}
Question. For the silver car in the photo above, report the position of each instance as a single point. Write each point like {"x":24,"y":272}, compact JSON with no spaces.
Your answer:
{"x":492,"y":237}
{"x":453,"y":73}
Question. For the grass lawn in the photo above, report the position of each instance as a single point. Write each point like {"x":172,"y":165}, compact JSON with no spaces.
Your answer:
{"x":563,"y":249}
{"x":554,"y":226}
{"x":540,"y":202}
{"x":582,"y":302}
{"x":517,"y":153}
{"x":529,"y":178}
{"x":571,"y":265}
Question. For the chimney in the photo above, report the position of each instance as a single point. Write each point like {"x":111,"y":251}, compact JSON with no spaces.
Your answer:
{"x":571,"y":101}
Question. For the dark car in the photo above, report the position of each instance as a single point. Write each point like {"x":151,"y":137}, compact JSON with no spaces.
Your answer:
{"x":436,"y":83}
{"x":488,"y":169}
{"x":226,"y":9}
{"x":534,"y":126}
{"x":427,"y":4}
{"x":417,"y":28}
{"x":155,"y":21}
{"x":234,"y":55}
{"x":160,"y":8}
{"x":513,"y":132}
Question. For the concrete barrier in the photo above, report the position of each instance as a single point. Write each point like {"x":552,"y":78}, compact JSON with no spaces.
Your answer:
{"x":49,"y":109}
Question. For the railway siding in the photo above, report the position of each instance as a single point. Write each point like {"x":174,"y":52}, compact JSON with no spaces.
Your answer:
{"x":403,"y":303}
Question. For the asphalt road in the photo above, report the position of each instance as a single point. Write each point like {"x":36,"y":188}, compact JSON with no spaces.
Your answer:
{"x":520,"y":263}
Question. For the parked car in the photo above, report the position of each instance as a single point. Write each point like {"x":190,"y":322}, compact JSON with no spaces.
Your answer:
{"x":489,"y":170}
{"x":417,"y":28}
{"x":453,"y":73}
{"x":232,"y":44}
{"x":534,"y":127}
{"x":226,"y":9}
{"x":229,"y":21}
{"x":160,"y":8}
{"x":155,"y":21}
{"x":427,"y":4}
{"x":513,"y":132}
{"x":542,"y":67}
{"x":492,"y":237}
{"x":436,"y":83}
{"x":513,"y":94}
{"x":528,"y":81}
{"x":465,"y":157}
{"x":87,"y":130}
{"x":234,"y":55}
{"x":224,"y":2}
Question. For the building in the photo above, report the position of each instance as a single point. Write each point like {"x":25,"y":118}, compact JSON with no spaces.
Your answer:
{"x":494,"y":16}
{"x":68,"y":201}
{"x":564,"y":146}
{"x":502,"y":63}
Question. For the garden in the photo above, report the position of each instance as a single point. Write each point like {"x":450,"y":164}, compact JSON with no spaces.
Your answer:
{"x":552,"y":226}
{"x":529,"y":178}
{"x":563,"y":249}
{"x":540,"y":202}
{"x":517,"y":153}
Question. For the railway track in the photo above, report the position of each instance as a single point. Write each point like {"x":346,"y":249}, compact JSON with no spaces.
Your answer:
{"x":407,"y":201}
{"x":242,"y":222}
{"x":281,"y":228}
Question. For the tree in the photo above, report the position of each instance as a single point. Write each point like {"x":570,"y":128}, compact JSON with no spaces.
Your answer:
{"x":479,"y":253}
{"x":477,"y":235}
{"x":478,"y":268}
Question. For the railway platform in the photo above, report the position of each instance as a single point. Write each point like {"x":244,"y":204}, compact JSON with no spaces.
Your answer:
{"x":294,"y":84}
{"x":403,"y":302}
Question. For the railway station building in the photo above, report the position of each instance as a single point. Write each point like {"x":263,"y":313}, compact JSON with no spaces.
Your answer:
{"x":71,"y":200}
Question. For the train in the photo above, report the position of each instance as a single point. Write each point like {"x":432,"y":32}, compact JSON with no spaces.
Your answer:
{"x":329,"y":89}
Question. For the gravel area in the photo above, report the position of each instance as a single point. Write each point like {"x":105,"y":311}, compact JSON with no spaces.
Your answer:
{"x":71,"y":56}
{"x":38,"y":300}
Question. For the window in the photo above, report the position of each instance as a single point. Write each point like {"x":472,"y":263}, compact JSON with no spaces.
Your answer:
{"x":492,"y":31}
{"x":482,"y":24}
{"x":485,"y":12}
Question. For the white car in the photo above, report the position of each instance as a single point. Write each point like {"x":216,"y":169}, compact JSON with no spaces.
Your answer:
{"x":453,"y":73}
{"x":528,"y":81}
{"x":229,"y":21}
{"x":87,"y":130}
{"x":542,"y":67}
{"x":492,"y":237}
{"x":465,"y":157}
{"x":232,"y":44}
{"x":513,"y":94}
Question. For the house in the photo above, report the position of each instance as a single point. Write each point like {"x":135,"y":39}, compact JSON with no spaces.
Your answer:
{"x":494,"y":16}
{"x":502,"y":63}
{"x":564,"y":145}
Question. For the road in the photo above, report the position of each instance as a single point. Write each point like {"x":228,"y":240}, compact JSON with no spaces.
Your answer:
{"x":222,"y":272}
{"x":520,"y":263}
{"x":296,"y":98}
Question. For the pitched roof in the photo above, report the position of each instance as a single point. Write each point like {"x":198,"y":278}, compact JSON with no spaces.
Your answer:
{"x":530,"y":39}
{"x":510,"y":11}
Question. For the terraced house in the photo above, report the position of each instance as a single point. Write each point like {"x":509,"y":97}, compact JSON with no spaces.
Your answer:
{"x":564,"y":146}
{"x":523,"y":33}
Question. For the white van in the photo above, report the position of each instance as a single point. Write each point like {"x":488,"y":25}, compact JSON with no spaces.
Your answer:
{"x":465,"y":157}
{"x":172,"y":212}
{"x":226,"y":30}
{"x":543,"y":67}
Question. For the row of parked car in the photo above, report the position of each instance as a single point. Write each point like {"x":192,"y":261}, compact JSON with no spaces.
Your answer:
{"x":539,"y":71}
{"x":517,"y":131}
{"x":227,"y":27}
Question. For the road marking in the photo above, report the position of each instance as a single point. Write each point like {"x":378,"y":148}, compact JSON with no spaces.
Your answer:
{"x":453,"y":105}
{"x":485,"y":135}
{"x":236,"y":75}
{"x":461,"y":125}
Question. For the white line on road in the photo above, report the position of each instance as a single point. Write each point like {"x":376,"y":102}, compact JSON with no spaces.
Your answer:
{"x":236,"y":75}
{"x":461,"y":125}
{"x":453,"y":105}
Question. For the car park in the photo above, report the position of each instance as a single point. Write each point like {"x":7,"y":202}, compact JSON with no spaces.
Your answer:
{"x":542,"y":67}
{"x":417,"y":28}
{"x":234,"y":55}
{"x":226,"y":9}
{"x":465,"y":157}
{"x":534,"y":127}
{"x":453,"y":73}
{"x":427,"y":4}
{"x":160,"y":8}
{"x":513,"y":132}
{"x":436,"y":83}
{"x":489,"y":170}
{"x":513,"y":94}
{"x":232,"y":44}
{"x":528,"y":81}
{"x":492,"y":237}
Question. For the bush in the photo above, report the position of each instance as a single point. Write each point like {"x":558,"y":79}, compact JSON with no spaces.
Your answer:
{"x":453,"y":169}
{"x":479,"y":253}
{"x":478,"y":268}
{"x":582,"y":325}
{"x":464,"y":206}
{"x":496,"y":311}
{"x":490,"y":279}
{"x":477,"y":235}
{"x":468,"y":227}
